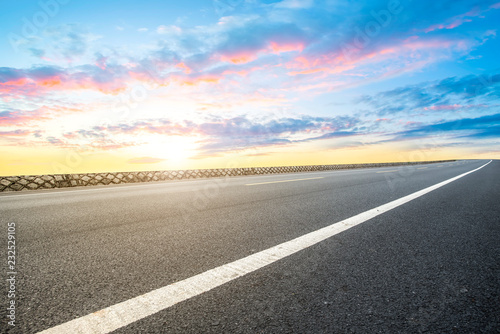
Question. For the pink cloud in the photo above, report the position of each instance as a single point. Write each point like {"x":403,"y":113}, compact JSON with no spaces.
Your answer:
{"x":71,"y":135}
{"x":101,"y":62}
{"x":14,"y":118}
{"x":242,"y":73}
{"x":15,"y":133}
{"x":209,"y":79}
{"x":419,"y":44}
{"x":309,"y":71}
{"x":456,"y":23}
{"x":458,"y":20}
{"x":444,"y":107}
{"x":271,"y":47}
{"x":455,"y":107}
{"x":277,"y":47}
{"x":335,"y":63}
{"x":143,"y":76}
{"x":239,"y":57}
{"x":17,"y":82}
{"x":34,"y":83}
{"x":184,"y":67}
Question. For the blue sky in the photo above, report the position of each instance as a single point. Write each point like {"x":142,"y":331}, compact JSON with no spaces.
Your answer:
{"x":127,"y":85}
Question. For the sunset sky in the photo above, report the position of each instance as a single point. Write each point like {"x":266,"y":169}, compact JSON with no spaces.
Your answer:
{"x":88,"y":86}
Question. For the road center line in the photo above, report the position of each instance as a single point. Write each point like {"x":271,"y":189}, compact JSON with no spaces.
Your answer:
{"x":129,"y":311}
{"x":291,"y":180}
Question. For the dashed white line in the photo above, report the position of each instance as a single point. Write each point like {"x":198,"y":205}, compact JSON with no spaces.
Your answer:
{"x":129,"y":311}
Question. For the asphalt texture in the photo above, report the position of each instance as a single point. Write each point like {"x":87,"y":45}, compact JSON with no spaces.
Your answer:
{"x":429,"y":266}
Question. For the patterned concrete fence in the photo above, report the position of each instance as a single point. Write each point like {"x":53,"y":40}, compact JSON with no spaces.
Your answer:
{"x":32,"y":182}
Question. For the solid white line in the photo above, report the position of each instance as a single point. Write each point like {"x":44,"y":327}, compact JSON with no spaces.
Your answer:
{"x":291,"y":180}
{"x":129,"y":311}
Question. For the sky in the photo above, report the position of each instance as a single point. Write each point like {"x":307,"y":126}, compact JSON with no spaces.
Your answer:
{"x":95,"y":86}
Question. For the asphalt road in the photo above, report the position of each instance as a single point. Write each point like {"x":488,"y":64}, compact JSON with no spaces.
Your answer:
{"x":430,"y":265}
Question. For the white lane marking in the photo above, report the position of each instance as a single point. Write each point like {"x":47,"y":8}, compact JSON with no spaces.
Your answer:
{"x":291,"y":180}
{"x":129,"y":311}
{"x":422,"y":168}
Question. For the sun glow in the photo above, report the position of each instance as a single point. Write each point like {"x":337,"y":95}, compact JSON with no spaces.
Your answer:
{"x":172,"y":148}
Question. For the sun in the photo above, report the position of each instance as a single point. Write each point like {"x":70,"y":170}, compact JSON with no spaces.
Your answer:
{"x":172,"y":148}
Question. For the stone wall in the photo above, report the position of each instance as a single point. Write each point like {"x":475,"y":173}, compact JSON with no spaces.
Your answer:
{"x":32,"y":182}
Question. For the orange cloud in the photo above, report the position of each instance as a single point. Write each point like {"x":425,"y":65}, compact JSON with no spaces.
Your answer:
{"x":195,"y":81}
{"x":34,"y":86}
{"x":50,"y":82}
{"x":18,"y":82}
{"x":286,"y":47}
{"x":184,"y":67}
{"x":239,"y":58}
{"x":338,"y":62}
{"x":310,"y":71}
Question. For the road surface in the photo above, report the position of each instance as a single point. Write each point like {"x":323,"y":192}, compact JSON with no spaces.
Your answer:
{"x":431,"y":264}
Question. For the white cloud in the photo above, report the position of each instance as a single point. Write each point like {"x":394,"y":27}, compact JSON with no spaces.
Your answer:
{"x":168,"y":29}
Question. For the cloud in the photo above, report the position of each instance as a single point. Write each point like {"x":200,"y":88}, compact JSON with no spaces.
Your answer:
{"x":41,"y":79}
{"x":480,"y":127}
{"x":246,"y":43}
{"x":162,"y":29}
{"x":449,"y":94}
{"x":144,"y":160}
{"x":21,"y":117}
{"x":458,"y":20}
{"x":15,"y":133}
{"x":217,"y":135}
{"x":55,"y":141}
{"x":100,"y":144}
{"x":67,"y":43}
{"x":301,"y":38}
